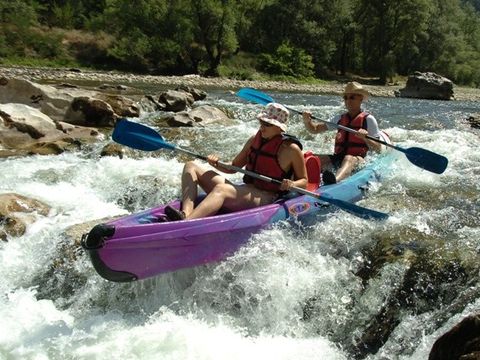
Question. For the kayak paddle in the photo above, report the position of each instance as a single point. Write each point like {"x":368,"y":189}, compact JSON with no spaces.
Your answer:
{"x":142,"y":137}
{"x":422,"y":158}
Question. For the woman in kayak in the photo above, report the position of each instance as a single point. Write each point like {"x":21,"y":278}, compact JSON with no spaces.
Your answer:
{"x":270,"y":153}
{"x":350,"y":149}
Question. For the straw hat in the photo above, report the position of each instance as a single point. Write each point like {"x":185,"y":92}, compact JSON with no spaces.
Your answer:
{"x":354,"y":87}
{"x":275,"y":114}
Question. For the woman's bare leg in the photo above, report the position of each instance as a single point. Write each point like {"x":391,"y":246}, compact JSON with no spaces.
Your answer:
{"x":193,"y":176}
{"x":234,"y":197}
{"x":348,"y":164}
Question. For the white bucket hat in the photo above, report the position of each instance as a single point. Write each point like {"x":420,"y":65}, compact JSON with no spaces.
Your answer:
{"x":354,"y":87}
{"x":275,"y":114}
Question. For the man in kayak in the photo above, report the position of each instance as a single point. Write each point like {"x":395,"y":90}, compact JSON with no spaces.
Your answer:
{"x":350,"y":149}
{"x":270,"y":152}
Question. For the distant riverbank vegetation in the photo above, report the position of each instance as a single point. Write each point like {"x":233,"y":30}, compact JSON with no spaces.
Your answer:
{"x":302,"y":40}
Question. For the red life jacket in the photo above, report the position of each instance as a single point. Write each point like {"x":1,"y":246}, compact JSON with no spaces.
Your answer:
{"x":347,"y":143}
{"x":262,"y":158}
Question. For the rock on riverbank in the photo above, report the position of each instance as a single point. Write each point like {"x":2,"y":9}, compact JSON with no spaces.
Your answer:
{"x":50,"y":74}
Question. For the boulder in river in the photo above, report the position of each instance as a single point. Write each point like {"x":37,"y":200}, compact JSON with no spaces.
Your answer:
{"x":474,"y":121}
{"x":175,"y":101}
{"x":57,"y":103}
{"x":28,"y":131}
{"x":427,"y":86}
{"x":18,"y":211}
{"x":202,"y":115}
{"x":460,"y":342}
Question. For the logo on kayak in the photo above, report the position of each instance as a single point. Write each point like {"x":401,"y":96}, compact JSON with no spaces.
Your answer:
{"x":298,"y":209}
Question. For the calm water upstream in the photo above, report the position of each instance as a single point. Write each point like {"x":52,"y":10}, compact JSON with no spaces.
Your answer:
{"x":291,"y":293}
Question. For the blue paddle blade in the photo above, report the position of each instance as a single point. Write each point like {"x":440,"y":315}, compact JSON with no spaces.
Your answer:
{"x":138,"y":136}
{"x":254,"y":96}
{"x":426,"y":159}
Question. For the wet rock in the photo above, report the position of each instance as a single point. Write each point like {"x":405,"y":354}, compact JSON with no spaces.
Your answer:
{"x":29,"y":131}
{"x":63,"y":103}
{"x":49,"y":100}
{"x":203,"y":115}
{"x":18,"y":211}
{"x":54,"y":147}
{"x":149,"y":103}
{"x":207,"y":114}
{"x":474,"y":121}
{"x":179,"y":119}
{"x":175,"y":100}
{"x":427,"y":86}
{"x":90,"y":112}
{"x":26,"y":119}
{"x":196,"y":93}
{"x":79,"y":132}
{"x":113,"y":149}
{"x":122,"y":106}
{"x":421,"y":283}
{"x":461,"y":342}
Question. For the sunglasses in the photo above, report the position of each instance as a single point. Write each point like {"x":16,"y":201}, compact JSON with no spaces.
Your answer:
{"x":349,"y":97}
{"x":265,"y":124}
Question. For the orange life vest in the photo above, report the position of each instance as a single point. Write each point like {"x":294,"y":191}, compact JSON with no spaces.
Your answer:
{"x":262,"y":158}
{"x":347,"y":143}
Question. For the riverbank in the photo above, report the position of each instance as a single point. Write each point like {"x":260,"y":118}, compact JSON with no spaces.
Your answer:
{"x":76,"y":75}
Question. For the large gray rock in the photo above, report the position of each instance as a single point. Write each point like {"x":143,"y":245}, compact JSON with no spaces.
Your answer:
{"x":90,"y":112}
{"x":29,"y":131}
{"x":427,"y":86}
{"x":68,"y":104}
{"x":203,"y":115}
{"x":26,"y":119}
{"x":49,"y":100}
{"x":196,"y":93}
{"x":175,"y":101}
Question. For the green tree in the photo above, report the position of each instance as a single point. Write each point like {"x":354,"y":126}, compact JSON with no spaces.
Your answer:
{"x":246,"y":29}
{"x":389,"y":29}
{"x":214,"y":28}
{"x":344,"y":56}
{"x":69,"y":13}
{"x":17,"y":17}
{"x":288,"y":60}
{"x":310,"y":25}
{"x":153,"y":35}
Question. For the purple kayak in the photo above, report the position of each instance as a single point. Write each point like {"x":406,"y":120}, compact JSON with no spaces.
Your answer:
{"x":143,"y":245}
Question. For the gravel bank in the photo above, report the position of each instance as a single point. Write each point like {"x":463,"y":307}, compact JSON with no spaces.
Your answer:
{"x":66,"y":75}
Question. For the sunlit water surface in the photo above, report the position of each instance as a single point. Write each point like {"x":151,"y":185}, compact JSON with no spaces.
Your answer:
{"x":252,"y":305}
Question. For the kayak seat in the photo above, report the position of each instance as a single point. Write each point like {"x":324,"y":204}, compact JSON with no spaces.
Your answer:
{"x":313,"y":165}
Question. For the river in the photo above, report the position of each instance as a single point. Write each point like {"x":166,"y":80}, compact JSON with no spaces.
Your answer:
{"x":292,"y":292}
